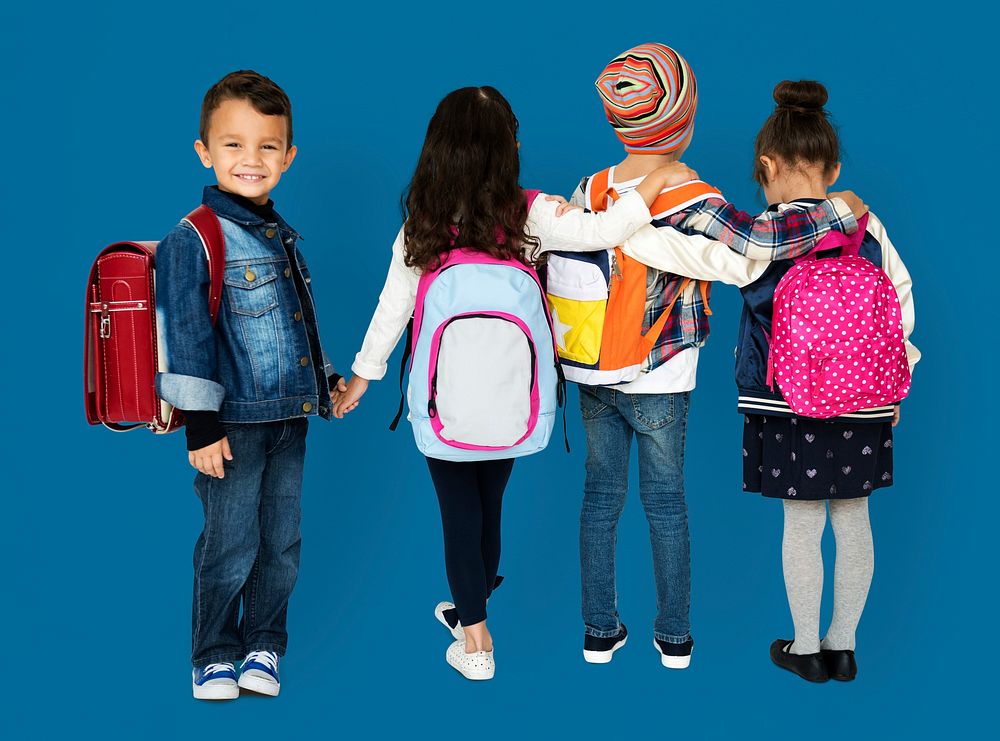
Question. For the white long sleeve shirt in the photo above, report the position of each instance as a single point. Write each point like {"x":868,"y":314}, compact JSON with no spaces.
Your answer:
{"x":575,"y":231}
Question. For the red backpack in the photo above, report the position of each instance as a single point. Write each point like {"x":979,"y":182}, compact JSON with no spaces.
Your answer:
{"x":121,"y":352}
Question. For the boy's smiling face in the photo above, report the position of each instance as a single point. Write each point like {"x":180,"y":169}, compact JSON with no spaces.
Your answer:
{"x":248,"y":150}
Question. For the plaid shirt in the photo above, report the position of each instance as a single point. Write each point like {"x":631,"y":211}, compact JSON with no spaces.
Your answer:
{"x":770,"y":236}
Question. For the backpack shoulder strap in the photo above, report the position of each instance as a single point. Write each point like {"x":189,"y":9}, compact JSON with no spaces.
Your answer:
{"x":599,"y":191}
{"x":849,"y":244}
{"x":206,"y":225}
{"x":407,"y":350}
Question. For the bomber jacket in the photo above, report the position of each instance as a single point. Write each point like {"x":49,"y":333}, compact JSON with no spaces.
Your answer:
{"x":704,"y":259}
{"x":262,"y":361}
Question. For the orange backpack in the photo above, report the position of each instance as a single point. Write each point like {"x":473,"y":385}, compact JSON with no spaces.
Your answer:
{"x":598,"y":299}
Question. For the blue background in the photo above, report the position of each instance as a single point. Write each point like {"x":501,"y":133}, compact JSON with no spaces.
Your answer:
{"x":99,"y":118}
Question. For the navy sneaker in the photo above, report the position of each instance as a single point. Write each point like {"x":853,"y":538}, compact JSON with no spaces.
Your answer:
{"x":215,"y":682}
{"x":259,"y":673}
{"x":675,"y":655}
{"x":600,"y":650}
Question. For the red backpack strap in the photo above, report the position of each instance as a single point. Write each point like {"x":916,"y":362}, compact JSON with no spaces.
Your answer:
{"x":206,"y":224}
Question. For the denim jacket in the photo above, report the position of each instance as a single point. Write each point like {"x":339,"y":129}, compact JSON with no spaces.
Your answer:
{"x":262,"y":361}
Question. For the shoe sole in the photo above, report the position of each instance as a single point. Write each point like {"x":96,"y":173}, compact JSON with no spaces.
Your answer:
{"x":215,"y":692}
{"x":672,"y":662}
{"x":474,"y":676}
{"x":457,"y":633}
{"x":260,"y":686}
{"x":603,"y":657}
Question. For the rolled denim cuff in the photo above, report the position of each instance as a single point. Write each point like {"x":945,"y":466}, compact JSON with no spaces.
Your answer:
{"x":190,"y":392}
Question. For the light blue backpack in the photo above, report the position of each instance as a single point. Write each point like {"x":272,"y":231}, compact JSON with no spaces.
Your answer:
{"x":484,"y":378}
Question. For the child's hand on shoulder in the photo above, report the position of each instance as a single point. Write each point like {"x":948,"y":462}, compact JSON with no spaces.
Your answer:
{"x":209,"y":459}
{"x":674,"y":173}
{"x":858,"y":207}
{"x":346,"y":400}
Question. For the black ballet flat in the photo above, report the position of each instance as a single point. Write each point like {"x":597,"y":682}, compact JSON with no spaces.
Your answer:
{"x":808,"y":666}
{"x":840,"y":665}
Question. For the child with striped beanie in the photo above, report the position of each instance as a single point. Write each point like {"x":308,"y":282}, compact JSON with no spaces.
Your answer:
{"x":650,"y":96}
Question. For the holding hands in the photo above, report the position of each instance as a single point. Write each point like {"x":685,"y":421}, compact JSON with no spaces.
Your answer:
{"x":345,"y":397}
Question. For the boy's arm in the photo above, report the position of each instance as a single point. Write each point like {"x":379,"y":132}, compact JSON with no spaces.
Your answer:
{"x":693,"y":256}
{"x":185,"y":328}
{"x":770,"y":236}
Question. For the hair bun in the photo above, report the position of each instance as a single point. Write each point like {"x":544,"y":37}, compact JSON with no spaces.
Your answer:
{"x":804,"y":96}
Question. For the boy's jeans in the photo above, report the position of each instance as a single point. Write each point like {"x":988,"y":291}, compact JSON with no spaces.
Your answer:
{"x":659,"y":422}
{"x":249,"y":549}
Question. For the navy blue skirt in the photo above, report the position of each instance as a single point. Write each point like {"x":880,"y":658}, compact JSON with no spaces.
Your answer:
{"x":802,"y":458}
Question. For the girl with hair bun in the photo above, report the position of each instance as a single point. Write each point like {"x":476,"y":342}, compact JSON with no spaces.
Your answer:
{"x":813,"y":464}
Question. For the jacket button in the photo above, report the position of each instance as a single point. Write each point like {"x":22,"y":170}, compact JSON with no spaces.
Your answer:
{"x":288,"y":272}
{"x":250,"y":275}
{"x":303,"y":361}
{"x":307,"y":407}
{"x":298,"y":316}
{"x":270,"y":233}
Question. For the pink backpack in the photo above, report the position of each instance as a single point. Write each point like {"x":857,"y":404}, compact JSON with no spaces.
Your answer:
{"x":837,"y":333}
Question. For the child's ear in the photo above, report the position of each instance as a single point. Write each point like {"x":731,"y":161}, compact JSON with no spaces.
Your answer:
{"x":203,"y":154}
{"x":289,"y":156}
{"x":834,"y":175}
{"x":770,"y":168}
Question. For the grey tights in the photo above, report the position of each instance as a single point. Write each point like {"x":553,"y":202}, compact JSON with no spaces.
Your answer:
{"x":802,"y":561}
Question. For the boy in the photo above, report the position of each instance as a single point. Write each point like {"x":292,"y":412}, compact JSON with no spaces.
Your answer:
{"x":246,"y":386}
{"x":650,"y":96}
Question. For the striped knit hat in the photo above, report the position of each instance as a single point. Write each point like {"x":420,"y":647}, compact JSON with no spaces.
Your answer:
{"x":650,"y":96}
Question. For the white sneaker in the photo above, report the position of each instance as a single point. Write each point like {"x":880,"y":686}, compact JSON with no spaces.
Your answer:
{"x":215,"y":682}
{"x":259,"y":673}
{"x":478,"y":665}
{"x":457,"y":633}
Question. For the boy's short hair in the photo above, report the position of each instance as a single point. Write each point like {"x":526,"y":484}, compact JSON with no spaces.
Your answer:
{"x":262,"y":93}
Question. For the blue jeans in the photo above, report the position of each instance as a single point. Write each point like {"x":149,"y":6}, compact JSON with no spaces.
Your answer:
{"x":659,"y":422}
{"x":249,"y":550}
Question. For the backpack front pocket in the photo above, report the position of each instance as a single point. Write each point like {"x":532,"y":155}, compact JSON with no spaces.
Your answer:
{"x":854,"y":369}
{"x":483,"y":381}
{"x":577,"y":286}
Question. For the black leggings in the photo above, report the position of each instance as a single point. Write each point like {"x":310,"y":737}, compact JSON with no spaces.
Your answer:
{"x":471,"y":496}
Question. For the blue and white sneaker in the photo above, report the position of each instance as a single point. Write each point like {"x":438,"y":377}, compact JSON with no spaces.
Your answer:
{"x":259,"y":673}
{"x":215,"y":682}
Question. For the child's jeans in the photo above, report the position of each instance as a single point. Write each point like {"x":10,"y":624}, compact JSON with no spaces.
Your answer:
{"x":249,"y":549}
{"x":659,"y":422}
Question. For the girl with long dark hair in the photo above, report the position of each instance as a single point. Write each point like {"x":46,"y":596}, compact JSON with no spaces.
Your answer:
{"x":465,"y":193}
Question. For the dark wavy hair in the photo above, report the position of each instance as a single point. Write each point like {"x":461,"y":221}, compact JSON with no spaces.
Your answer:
{"x":467,"y":180}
